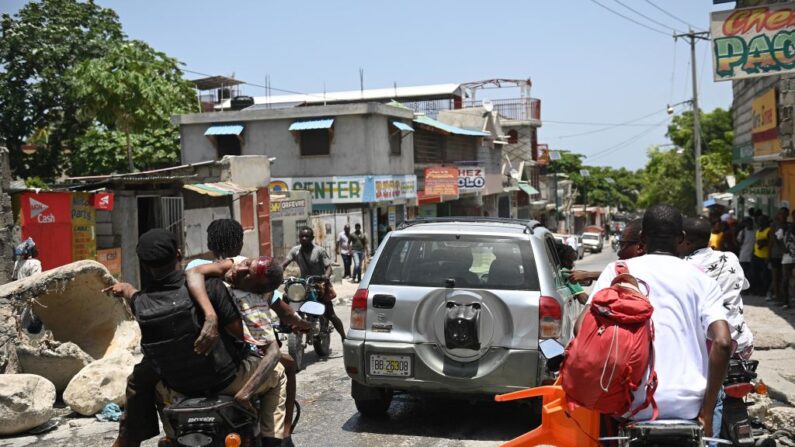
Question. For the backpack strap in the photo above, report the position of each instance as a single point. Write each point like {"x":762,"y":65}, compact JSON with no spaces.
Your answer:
{"x":651,"y":382}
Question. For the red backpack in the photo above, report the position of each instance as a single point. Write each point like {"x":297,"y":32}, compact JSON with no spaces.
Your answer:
{"x":610,"y":356}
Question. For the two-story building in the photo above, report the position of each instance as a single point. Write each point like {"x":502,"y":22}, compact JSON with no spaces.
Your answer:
{"x":356,"y":160}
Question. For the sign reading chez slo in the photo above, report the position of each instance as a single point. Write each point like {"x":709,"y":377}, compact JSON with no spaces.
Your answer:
{"x":754,"y":41}
{"x":764,"y":130}
{"x":471,"y":179}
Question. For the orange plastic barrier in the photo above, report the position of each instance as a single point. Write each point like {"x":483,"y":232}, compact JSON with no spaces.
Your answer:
{"x":558,"y":426}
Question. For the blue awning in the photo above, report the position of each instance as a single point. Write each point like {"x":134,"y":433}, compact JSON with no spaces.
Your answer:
{"x":224,"y":129}
{"x":710,"y":202}
{"x":402,"y":126}
{"x":448,"y":129}
{"x":324,"y":123}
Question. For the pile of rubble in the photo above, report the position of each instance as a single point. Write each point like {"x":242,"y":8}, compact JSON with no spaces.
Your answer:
{"x":83,"y":356}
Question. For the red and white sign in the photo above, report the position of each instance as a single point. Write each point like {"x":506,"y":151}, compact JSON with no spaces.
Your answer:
{"x":103,"y":201}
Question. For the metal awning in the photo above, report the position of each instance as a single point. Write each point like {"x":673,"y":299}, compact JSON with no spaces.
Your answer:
{"x":315,"y":124}
{"x":448,"y":129}
{"x":752,"y":180}
{"x":403,"y":127}
{"x":529,"y":190}
{"x":224,"y":129}
{"x":219,"y":189}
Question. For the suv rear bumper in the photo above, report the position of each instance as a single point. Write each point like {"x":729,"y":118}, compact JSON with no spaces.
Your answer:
{"x":519,"y":369}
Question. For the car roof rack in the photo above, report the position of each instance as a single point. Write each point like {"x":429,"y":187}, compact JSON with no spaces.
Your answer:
{"x":528,"y":224}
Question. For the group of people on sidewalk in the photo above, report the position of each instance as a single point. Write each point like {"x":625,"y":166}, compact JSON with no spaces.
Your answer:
{"x":766,"y":251}
{"x":352,"y":247}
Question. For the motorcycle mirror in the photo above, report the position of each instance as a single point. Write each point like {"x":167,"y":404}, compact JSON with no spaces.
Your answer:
{"x":313,"y":308}
{"x":551,"y":348}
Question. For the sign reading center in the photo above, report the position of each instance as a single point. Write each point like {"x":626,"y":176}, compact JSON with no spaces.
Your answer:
{"x":327,"y":190}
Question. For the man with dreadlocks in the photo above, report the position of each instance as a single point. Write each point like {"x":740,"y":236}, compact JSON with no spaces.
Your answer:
{"x":225,"y":240}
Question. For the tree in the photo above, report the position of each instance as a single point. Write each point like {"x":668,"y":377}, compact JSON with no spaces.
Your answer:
{"x":102,"y":150}
{"x":40,"y":42}
{"x":133,"y":89}
{"x":670,"y":175}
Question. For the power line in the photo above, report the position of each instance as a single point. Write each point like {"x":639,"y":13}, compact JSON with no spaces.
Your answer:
{"x":673,"y":76}
{"x":625,"y":124}
{"x":631,"y":19}
{"x":624,"y":143}
{"x":646,"y":17}
{"x":589,"y":123}
{"x":672,"y":16}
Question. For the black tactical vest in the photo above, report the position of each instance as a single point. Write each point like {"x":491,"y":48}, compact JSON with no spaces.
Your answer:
{"x":170,"y":325}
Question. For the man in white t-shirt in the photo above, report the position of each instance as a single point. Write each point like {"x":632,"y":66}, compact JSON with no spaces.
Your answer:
{"x":687,"y":312}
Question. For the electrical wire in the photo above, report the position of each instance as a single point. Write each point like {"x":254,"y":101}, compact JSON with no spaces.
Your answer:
{"x":673,"y":16}
{"x":673,"y":76}
{"x":631,"y":19}
{"x":613,"y":126}
{"x":615,"y":147}
{"x":646,"y":17}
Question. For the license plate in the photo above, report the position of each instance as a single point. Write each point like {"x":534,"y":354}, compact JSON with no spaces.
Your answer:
{"x":390,"y":365}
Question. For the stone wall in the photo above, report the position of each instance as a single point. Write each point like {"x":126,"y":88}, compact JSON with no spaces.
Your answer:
{"x":6,"y":220}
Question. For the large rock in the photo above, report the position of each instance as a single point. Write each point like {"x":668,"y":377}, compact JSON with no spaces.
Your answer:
{"x":761,"y":405}
{"x":25,"y":402}
{"x":70,"y":303}
{"x":59,"y":362}
{"x":781,"y":418}
{"x":100,"y":383}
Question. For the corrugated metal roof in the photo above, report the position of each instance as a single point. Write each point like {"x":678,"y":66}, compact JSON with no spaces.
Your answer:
{"x":224,"y":129}
{"x":376,"y":94}
{"x":218,"y":189}
{"x":403,"y":126}
{"x":428,"y":121}
{"x":324,"y":123}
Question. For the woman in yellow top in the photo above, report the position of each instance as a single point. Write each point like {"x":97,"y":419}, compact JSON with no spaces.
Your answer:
{"x":761,"y":271}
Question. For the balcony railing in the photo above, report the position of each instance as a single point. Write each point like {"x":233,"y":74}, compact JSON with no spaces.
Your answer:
{"x":519,"y":109}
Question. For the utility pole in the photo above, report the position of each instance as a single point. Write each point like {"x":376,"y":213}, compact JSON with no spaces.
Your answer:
{"x":691,"y":37}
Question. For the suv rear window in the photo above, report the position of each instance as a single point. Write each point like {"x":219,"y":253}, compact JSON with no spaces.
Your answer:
{"x":590,"y":237}
{"x":473,"y":262}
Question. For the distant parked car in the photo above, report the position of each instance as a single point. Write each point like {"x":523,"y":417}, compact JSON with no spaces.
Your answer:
{"x":580,"y":247}
{"x":593,"y":242}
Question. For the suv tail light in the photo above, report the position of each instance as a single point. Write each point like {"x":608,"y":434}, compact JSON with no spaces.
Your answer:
{"x":549,"y":318}
{"x":359,"y":310}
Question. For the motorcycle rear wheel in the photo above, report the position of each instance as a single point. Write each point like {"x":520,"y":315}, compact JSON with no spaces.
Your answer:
{"x":295,"y":347}
{"x":322,"y":341}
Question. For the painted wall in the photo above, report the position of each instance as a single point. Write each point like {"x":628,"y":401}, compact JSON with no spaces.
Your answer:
{"x":360,"y":144}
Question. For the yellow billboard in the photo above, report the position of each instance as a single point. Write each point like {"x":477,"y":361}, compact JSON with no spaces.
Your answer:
{"x":764,"y":129}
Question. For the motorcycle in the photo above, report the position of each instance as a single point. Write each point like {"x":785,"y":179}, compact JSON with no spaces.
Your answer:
{"x":633,"y":434}
{"x":736,"y":425}
{"x":616,"y":242}
{"x":218,"y":421}
{"x":298,"y":292}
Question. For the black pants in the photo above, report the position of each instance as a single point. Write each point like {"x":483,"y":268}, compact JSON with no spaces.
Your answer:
{"x":139,"y":420}
{"x":761,"y":275}
{"x":346,"y":265}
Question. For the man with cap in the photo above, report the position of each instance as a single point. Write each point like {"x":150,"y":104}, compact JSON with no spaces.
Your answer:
{"x":162,"y":310}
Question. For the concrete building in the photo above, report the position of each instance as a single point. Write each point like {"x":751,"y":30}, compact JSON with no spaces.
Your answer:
{"x":356,"y":160}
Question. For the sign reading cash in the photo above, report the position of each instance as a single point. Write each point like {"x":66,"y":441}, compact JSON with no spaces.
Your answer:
{"x":754,"y":41}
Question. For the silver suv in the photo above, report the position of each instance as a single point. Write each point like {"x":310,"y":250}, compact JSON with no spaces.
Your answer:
{"x":455,"y":306}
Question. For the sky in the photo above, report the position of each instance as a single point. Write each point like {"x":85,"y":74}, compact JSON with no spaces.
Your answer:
{"x":587,"y":64}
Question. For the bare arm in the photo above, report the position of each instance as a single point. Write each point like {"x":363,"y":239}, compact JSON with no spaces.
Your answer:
{"x":122,"y":290}
{"x":270,"y":357}
{"x":288,"y":316}
{"x":718,"y":364}
{"x":581,"y":276}
{"x":198,"y":293}
{"x":287,"y":262}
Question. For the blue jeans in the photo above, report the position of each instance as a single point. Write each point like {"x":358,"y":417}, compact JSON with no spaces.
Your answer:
{"x":717,"y":417}
{"x":357,"y":265}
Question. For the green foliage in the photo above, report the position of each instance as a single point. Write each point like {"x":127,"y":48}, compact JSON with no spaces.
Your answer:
{"x":38,"y":44}
{"x":36,"y":182}
{"x":102,"y":151}
{"x":133,"y":89}
{"x":670,"y":176}
{"x":622,"y":192}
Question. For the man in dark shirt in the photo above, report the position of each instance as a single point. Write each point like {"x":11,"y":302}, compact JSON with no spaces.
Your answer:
{"x":158,"y":253}
{"x":313,"y":260}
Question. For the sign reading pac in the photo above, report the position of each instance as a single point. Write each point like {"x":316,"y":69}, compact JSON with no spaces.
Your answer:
{"x":753,"y":41}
